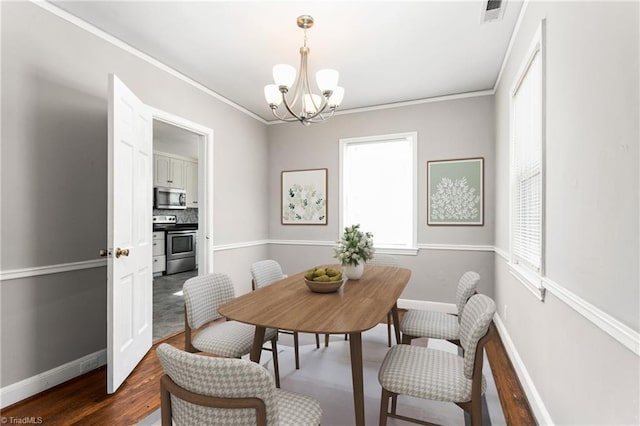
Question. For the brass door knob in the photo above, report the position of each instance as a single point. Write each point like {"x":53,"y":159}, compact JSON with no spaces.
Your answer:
{"x":103,"y":252}
{"x":121,"y":252}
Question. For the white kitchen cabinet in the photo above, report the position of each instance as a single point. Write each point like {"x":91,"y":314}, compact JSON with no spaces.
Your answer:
{"x":168,"y":172}
{"x":159,"y":257}
{"x":191,"y":183}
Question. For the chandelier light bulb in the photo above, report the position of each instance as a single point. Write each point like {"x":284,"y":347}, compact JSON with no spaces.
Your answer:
{"x":311,"y":103}
{"x":336,"y":97}
{"x":327,"y":80}
{"x":272,"y":94}
{"x":284,"y":75}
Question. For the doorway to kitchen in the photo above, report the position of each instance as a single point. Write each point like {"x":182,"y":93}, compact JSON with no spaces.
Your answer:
{"x":181,"y":215}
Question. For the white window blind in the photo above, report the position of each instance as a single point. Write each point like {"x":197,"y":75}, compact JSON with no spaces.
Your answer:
{"x":526,"y":167}
{"x":378,"y":188}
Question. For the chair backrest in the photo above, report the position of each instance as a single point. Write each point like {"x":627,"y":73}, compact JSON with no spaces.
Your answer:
{"x":266,"y":272}
{"x":466,"y":288}
{"x":203,"y":295}
{"x":383,"y":260}
{"x":219,"y":378}
{"x":476,"y":319}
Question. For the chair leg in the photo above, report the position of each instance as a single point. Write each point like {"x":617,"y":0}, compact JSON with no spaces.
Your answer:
{"x":476,"y":412}
{"x":296,"y":349}
{"x":406,"y":339}
{"x":165,"y":404}
{"x":326,"y":340}
{"x":394,"y":402}
{"x":389,"y":320}
{"x":276,"y":366}
{"x":317,"y":341}
{"x":384,"y":407}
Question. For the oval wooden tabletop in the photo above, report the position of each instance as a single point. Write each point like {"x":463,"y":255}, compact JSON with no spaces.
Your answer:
{"x":288,"y":304}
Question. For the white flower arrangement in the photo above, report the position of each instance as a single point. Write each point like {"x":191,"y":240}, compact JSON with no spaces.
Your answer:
{"x":355,"y":246}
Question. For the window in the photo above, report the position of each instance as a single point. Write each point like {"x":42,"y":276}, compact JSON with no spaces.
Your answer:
{"x":378,"y":188}
{"x":527,"y":169}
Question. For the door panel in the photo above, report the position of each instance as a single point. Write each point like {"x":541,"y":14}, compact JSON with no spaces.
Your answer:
{"x":129,"y":276}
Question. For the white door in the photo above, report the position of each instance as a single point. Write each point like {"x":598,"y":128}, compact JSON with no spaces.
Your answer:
{"x":129,"y":233}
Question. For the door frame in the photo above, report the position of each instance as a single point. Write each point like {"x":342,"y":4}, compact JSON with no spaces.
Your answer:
{"x":205,"y":184}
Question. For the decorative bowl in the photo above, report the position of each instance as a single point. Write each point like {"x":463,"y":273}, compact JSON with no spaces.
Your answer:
{"x":324,"y":286}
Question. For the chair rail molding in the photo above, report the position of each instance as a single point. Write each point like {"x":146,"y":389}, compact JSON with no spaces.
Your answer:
{"x":35,"y":271}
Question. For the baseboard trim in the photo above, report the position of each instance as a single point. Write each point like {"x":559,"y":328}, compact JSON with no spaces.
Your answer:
{"x":41,"y":382}
{"x":535,"y":400}
{"x":14,"y":274}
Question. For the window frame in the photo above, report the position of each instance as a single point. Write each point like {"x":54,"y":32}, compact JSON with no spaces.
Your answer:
{"x":525,"y":273}
{"x":412,"y":138}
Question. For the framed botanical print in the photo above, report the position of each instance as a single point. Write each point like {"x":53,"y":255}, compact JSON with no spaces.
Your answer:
{"x":304,"y":197}
{"x":455,"y":192}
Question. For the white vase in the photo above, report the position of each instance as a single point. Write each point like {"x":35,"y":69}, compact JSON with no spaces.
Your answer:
{"x":353,"y":272}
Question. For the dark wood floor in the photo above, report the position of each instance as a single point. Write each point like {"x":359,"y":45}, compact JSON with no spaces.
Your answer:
{"x":84,"y":401}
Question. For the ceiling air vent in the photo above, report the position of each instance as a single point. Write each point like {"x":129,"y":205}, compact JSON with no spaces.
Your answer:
{"x":492,"y":10}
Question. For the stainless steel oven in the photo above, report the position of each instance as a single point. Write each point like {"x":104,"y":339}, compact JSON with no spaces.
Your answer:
{"x":181,"y":251}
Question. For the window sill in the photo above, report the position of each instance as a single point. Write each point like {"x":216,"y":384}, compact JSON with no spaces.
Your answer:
{"x":531,"y":280}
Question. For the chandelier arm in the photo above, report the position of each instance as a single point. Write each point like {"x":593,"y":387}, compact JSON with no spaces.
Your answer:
{"x":287,"y":119}
{"x":324,"y":105}
{"x":323,"y":117}
{"x":302,"y":70}
{"x":288,"y":107}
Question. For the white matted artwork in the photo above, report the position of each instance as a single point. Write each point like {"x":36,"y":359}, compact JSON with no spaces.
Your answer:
{"x":304,"y":197}
{"x":455,"y":193}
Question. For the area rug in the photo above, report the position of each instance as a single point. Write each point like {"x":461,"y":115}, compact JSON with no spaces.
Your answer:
{"x":325,"y":374}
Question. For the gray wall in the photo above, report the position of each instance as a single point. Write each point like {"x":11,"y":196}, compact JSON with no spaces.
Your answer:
{"x":447,"y":129}
{"x":582,"y":374}
{"x":54,"y":181}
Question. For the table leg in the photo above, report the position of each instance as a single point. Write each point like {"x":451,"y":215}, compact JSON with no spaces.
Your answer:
{"x":396,"y":322}
{"x":258,"y":341}
{"x":355,"y":345}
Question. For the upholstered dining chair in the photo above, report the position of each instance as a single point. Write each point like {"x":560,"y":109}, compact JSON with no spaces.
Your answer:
{"x":199,"y":390}
{"x":432,"y":374}
{"x":440,"y":325}
{"x":267,"y":272}
{"x":202,"y":297}
{"x":386,"y":260}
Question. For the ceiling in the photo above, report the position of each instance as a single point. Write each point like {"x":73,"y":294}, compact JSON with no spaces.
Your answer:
{"x":386,"y":51}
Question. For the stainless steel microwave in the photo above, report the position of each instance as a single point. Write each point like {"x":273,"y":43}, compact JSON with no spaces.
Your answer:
{"x":169,"y":198}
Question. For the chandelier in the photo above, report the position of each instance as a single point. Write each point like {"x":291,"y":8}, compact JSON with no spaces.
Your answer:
{"x":310,"y":107}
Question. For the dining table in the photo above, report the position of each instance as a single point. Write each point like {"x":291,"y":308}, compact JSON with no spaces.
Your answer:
{"x":357,"y":306}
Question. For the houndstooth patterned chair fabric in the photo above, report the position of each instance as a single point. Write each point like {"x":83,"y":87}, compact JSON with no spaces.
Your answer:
{"x":437,"y":375}
{"x":266,"y":272}
{"x":436,"y":325}
{"x":425,"y":373}
{"x":439,"y":325}
{"x":203,"y":295}
{"x":231,"y":339}
{"x":466,"y":288}
{"x":231,"y":378}
{"x":476,"y":318}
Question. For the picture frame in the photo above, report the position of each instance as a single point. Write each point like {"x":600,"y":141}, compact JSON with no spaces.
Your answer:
{"x":455,"y":192}
{"x":303,"y":197}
